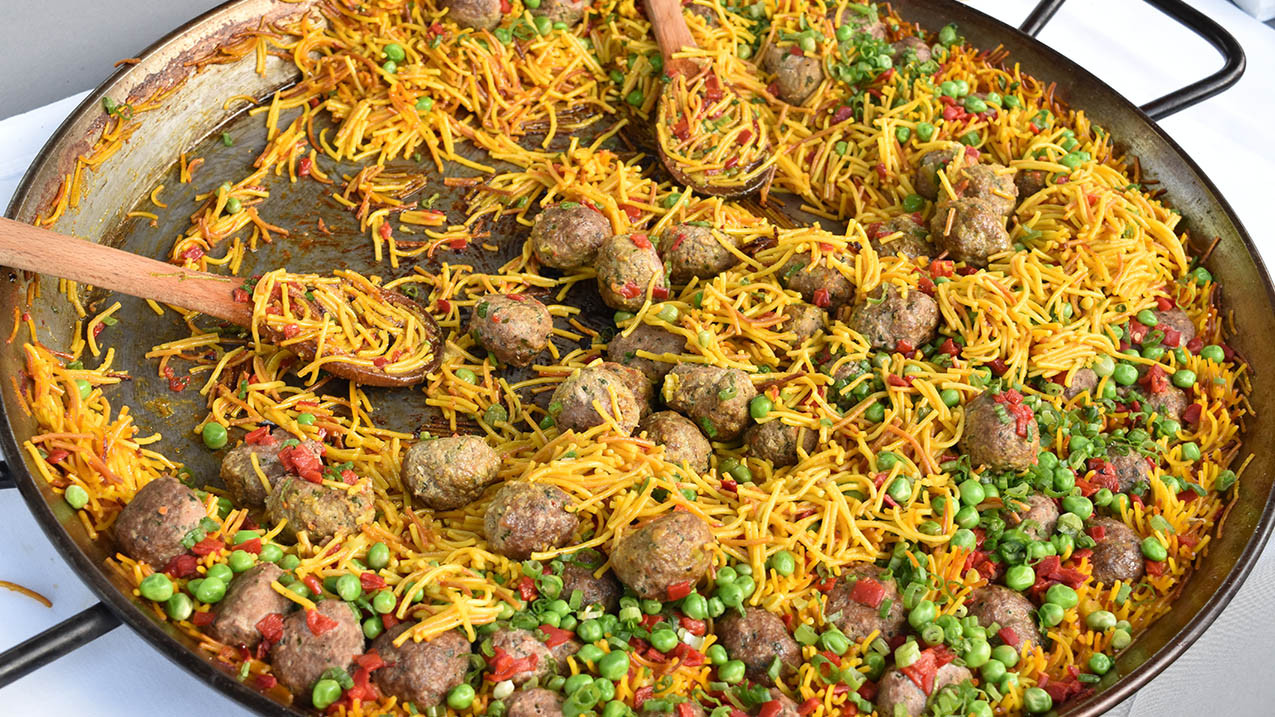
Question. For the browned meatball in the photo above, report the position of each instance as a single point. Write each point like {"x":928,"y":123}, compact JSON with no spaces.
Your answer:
{"x":478,"y":14}
{"x":249,"y":599}
{"x":778,"y":442}
{"x":643,"y":390}
{"x":715,"y":398}
{"x":153,"y":525}
{"x":572,"y":403}
{"x":858,"y":620}
{"x":926,"y":182}
{"x":796,"y":76}
{"x":1081,"y":381}
{"x":891,"y":321}
{"x":861,"y":19}
{"x":920,"y":52}
{"x":1131,"y":469}
{"x":565,"y":11}
{"x":650,"y":339}
{"x":241,"y":479}
{"x":682,"y":441}
{"x":301,"y":657}
{"x":898,"y":694}
{"x":757,"y":638}
{"x":627,"y":265}
{"x":526,"y":517}
{"x":1038,"y":517}
{"x":1007,"y":608}
{"x":449,"y":473}
{"x":1030,"y":181}
{"x":691,"y":250}
{"x":604,"y":591}
{"x":817,"y":282}
{"x":1118,"y":556}
{"x":318,"y":510}
{"x":706,"y":12}
{"x":535,"y":702}
{"x":901,"y":235}
{"x":804,"y":321}
{"x":421,"y":672}
{"x":522,"y":645}
{"x":1169,"y":403}
{"x":970,"y":230}
{"x":514,"y":328}
{"x":993,"y":183}
{"x":674,"y":548}
{"x":1177,"y":320}
{"x":567,"y":236}
{"x":991,"y":437}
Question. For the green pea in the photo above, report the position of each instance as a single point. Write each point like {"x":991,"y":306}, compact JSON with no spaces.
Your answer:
{"x":950,"y":397}
{"x":716,"y":654}
{"x":1099,"y":664}
{"x":156,"y":586}
{"x":1005,"y":655}
{"x":1190,"y":451}
{"x":214,"y":435}
{"x":460,"y":697}
{"x":726,"y":575}
{"x":1120,"y":639}
{"x":975,"y":105}
{"x":1153,"y":549}
{"x":964,"y":539}
{"x":241,"y":560}
{"x":835,"y":642}
{"x":233,"y":205}
{"x":664,"y":640}
{"x":424,"y":104}
{"x":1079,"y":505}
{"x":924,"y":131}
{"x":1103,"y":497}
{"x":593,"y":654}
{"x":467,"y":376}
{"x":807,"y":43}
{"x":948,"y":88}
{"x":179,"y":606}
{"x":993,"y":670}
{"x":1036,"y":700}
{"x":1155,"y":353}
{"x":395,"y":52}
{"x":1100,"y":620}
{"x":875,"y":413}
{"x":1020,"y":577}
{"x":1064,"y":479}
{"x":783,"y":563}
{"x":1213,"y":353}
{"x":613,"y":665}
{"x":1104,"y":366}
{"x":348,"y":588}
{"x":615,"y":708}
{"x":977,"y":653}
{"x":1184,"y":378}
{"x":575,"y":683}
{"x":900,"y":489}
{"x":384,"y":602}
{"x":76,"y":496}
{"x":378,"y":556}
{"x":634,"y":98}
{"x":730,"y":595}
{"x":746,"y":585}
{"x":760,"y":407}
{"x":981,"y":708}
{"x":85,"y":388}
{"x":325,"y":693}
{"x":967,"y":517}
{"x":1147,"y":317}
{"x":1062,"y":596}
{"x":289,"y":562}
{"x":222,"y":572}
{"x":211,"y":590}
{"x":732,"y":672}
{"x":923,"y":614}
{"x":1125,"y":374}
{"x":903,"y":134}
{"x":887,"y":460}
{"x":972,"y":492}
{"x":913,"y":203}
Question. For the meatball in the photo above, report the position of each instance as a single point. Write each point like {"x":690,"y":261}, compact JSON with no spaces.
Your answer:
{"x":912,"y":240}
{"x":888,"y":319}
{"x":1039,"y":517}
{"x":478,"y":14}
{"x":674,"y":548}
{"x":970,"y":230}
{"x":1131,"y":469}
{"x":572,"y":402}
{"x":567,"y":236}
{"x":634,"y":380}
{"x":565,"y":11}
{"x":1007,"y":608}
{"x":449,"y":473}
{"x":522,"y":645}
{"x":705,"y":12}
{"x":682,"y":441}
{"x":859,"y":20}
{"x":715,"y":398}
{"x":248,"y":599}
{"x":803,"y":321}
{"x":1118,"y":555}
{"x":514,"y":328}
{"x":796,"y":76}
{"x":650,"y":339}
{"x":757,"y":638}
{"x":526,"y":517}
{"x":1030,"y":181}
{"x":536,"y":702}
{"x":421,"y":672}
{"x":1168,"y":403}
{"x":241,"y":479}
{"x":926,"y":181}
{"x":896,"y":690}
{"x":818,"y":283}
{"x":992,"y":437}
{"x":911,"y":44}
{"x":859,"y":620}
{"x":627,"y":264}
{"x":691,"y":250}
{"x":778,"y":442}
{"x":1081,"y":381}
{"x":318,"y":510}
{"x":1177,"y":320}
{"x":992,"y":183}
{"x":604,"y":591}
{"x":153,"y":525}
{"x":301,"y":657}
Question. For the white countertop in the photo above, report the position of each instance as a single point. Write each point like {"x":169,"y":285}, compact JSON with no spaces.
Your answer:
{"x":1132,"y":47}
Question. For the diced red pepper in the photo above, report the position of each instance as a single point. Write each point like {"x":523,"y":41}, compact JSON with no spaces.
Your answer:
{"x":302,"y":462}
{"x":1097,"y":532}
{"x":1164,"y":303}
{"x":659,"y":292}
{"x":770,"y":709}
{"x":950,"y":348}
{"x":630,"y":290}
{"x":693,"y":626}
{"x":745,"y":136}
{"x":729,"y":485}
{"x":556,"y":635}
{"x":1192,"y":414}
{"x":680,"y":590}
{"x":505,"y":7}
{"x":898,"y":381}
{"x":240,"y":296}
{"x":458,"y":244}
{"x":684,"y":709}
{"x":640,"y":241}
{"x":821,"y":298}
{"x":1154,"y":567}
{"x":843,"y":113}
{"x":809,"y":706}
{"x":1008,"y":636}
{"x":182,"y":566}
{"x":259,"y":437}
{"x":922,"y":671}
{"x":271,"y":627}
{"x":250,"y":546}
{"x":1172,"y":337}
{"x":527,"y":589}
{"x":385,"y":231}
{"x":207,"y":546}
{"x":312,"y":584}
{"x":632,"y":212}
{"x":56,"y":456}
{"x":1156,"y":379}
{"x":997,"y":365}
{"x":371,"y":581}
{"x":318,"y":622}
{"x":203,"y":619}
{"x":904,"y":347}
{"x":193,"y":253}
{"x":688,"y":655}
{"x":502,"y":666}
{"x":1195,"y":344}
{"x":266,"y":681}
{"x":641,"y":695}
{"x":868,"y":592}
{"x":303,"y":167}
{"x":926,"y":285}
{"x":389,"y":620}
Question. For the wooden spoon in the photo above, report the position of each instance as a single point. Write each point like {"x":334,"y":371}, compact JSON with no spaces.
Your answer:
{"x":33,"y":249}
{"x":673,"y":36}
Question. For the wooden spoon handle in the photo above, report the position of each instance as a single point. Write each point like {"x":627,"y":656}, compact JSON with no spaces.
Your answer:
{"x":671,"y":32}
{"x":23,"y":246}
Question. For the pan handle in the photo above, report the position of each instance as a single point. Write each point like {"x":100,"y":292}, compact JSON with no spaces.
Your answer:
{"x":6,"y":476}
{"x":64,"y":637}
{"x":1194,"y":20}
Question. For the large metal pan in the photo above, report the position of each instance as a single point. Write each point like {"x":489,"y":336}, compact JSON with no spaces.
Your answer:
{"x":190,"y":115}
